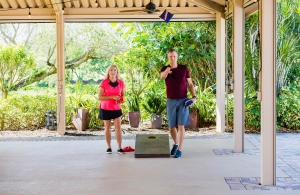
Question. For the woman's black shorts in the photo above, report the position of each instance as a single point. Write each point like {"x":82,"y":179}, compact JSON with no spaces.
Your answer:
{"x":109,"y":114}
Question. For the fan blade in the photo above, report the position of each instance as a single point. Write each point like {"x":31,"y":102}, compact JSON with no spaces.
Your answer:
{"x":149,"y":11}
{"x":133,"y":10}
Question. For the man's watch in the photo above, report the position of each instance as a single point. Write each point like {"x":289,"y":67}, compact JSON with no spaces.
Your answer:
{"x":194,"y":97}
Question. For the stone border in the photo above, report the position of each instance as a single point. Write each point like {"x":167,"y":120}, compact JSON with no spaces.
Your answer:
{"x":253,"y":183}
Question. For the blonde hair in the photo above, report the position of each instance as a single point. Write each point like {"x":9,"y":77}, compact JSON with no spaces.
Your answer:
{"x":109,"y":68}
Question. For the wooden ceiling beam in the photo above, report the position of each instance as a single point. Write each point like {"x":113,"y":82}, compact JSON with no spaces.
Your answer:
{"x":208,"y":5}
{"x":57,"y":6}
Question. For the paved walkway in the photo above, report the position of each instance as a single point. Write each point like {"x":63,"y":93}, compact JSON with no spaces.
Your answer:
{"x":287,"y":159}
{"x":79,"y":165}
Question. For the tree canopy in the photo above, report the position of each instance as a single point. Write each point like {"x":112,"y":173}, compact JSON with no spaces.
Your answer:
{"x":194,"y":41}
{"x":15,"y":64}
{"x":83,"y":42}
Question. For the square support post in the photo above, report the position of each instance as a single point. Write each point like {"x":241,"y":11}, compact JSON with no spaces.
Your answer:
{"x":220,"y":69}
{"x":60,"y":43}
{"x":268,"y":91}
{"x":238,"y":74}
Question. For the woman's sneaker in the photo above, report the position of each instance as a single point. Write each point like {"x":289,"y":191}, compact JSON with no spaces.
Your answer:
{"x":121,"y":151}
{"x":108,"y":151}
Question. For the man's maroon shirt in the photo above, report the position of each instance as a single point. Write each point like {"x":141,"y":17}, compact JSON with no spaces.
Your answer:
{"x":176,"y":82}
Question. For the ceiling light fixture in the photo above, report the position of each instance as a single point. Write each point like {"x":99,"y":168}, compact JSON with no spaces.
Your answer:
{"x":63,"y":7}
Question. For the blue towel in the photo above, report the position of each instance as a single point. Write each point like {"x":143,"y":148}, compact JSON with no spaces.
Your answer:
{"x":166,"y":16}
{"x":188,"y":102}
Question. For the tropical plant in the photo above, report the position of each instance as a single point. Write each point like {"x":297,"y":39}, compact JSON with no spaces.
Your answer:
{"x":206,"y":104}
{"x":288,"y":31}
{"x":92,"y":104}
{"x":133,"y":103}
{"x":76,"y":99}
{"x":252,"y":65}
{"x":154,"y":103}
{"x":288,"y":53}
{"x":83,"y":97}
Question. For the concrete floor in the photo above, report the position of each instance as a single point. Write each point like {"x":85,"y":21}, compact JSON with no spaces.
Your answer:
{"x":83,"y":167}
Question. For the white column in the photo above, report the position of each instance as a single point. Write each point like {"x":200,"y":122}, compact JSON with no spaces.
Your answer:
{"x":220,"y":68}
{"x":60,"y":45}
{"x":238,"y":74}
{"x":268,"y":91}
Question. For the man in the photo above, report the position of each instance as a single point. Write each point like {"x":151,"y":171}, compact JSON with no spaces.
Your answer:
{"x":177,"y":78}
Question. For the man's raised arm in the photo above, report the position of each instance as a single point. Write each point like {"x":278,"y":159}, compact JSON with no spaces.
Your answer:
{"x":165,"y":73}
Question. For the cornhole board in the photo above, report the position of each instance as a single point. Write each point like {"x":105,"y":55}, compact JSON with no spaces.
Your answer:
{"x":152,"y":146}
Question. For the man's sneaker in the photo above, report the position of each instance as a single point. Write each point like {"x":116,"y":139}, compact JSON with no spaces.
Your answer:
{"x":121,"y":151}
{"x":174,"y":149}
{"x":178,"y":154}
{"x":108,"y":151}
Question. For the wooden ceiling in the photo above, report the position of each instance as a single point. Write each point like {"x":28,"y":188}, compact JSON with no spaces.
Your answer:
{"x":109,"y":10}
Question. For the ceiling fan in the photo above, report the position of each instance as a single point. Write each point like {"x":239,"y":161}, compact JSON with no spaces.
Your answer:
{"x":150,"y":8}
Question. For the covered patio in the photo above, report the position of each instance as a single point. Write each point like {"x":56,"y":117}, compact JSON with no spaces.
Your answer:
{"x":61,"y":12}
{"x":79,"y":165}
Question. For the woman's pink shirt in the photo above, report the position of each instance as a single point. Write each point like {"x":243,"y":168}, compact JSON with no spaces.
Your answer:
{"x":111,"y":91}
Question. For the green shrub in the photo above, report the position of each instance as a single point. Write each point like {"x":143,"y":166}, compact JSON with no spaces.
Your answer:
{"x":288,"y":106}
{"x":252,"y":113}
{"x":26,"y":111}
{"x":287,"y":110}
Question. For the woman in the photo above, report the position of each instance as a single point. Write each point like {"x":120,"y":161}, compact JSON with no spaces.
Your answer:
{"x":111,"y":95}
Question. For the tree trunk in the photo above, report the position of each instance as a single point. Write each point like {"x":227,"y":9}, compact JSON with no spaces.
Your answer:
{"x":4,"y":96}
{"x":76,"y":62}
{"x":2,"y":121}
